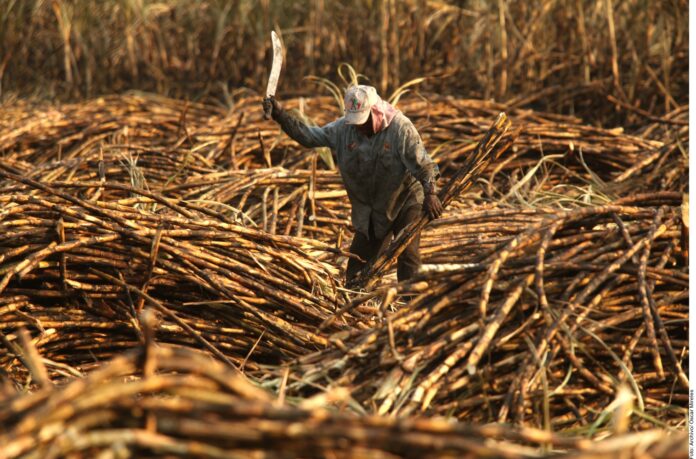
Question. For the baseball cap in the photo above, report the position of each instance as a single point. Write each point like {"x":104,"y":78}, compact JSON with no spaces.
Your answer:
{"x":358,"y":102}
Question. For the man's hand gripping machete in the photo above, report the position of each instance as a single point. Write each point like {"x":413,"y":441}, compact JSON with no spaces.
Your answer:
{"x":268,"y":101}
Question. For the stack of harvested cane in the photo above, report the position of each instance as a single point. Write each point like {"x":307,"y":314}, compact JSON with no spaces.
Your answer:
{"x":543,"y":330}
{"x":83,"y":269}
{"x":161,"y":401}
{"x":242,"y":167}
{"x":174,"y":139}
{"x":536,"y":306}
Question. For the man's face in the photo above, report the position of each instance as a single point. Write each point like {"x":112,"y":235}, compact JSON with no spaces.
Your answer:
{"x":366,"y":127}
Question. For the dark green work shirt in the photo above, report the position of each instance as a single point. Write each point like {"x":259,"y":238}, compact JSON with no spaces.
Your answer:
{"x":380,"y":172}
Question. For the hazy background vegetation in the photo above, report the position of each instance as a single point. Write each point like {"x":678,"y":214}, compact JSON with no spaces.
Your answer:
{"x":570,"y":56}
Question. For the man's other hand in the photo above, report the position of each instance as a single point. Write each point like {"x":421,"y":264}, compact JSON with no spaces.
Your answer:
{"x":432,"y":206}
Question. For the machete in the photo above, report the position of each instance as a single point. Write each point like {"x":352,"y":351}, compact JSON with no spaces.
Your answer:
{"x":275,"y":70}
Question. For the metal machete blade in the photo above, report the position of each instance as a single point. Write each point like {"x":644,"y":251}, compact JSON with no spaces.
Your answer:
{"x":275,"y":68}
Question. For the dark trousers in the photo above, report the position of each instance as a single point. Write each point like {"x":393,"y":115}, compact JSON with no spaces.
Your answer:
{"x":369,"y":248}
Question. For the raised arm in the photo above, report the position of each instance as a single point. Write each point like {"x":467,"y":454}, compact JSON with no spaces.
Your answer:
{"x":307,"y":136}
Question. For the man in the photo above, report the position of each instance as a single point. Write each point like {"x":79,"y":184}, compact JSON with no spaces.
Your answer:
{"x":387,"y":173}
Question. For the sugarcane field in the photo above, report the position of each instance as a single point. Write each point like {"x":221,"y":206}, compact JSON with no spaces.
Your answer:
{"x":344,"y":229}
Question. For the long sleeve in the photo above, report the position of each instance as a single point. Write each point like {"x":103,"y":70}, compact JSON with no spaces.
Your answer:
{"x":308,"y":136}
{"x":414,"y":156}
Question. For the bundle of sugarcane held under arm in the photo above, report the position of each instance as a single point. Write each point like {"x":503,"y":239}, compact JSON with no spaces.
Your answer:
{"x":462,"y":180}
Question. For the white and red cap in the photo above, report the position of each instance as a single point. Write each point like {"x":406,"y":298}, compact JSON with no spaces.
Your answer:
{"x":358,"y":102}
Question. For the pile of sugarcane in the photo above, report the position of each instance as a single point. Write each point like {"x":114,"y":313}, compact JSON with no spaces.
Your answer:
{"x":79,"y":271}
{"x":552,"y":296}
{"x":235,"y":163}
{"x":172,"y":140}
{"x":311,"y":203}
{"x":163,"y":401}
{"x":544,"y":330}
